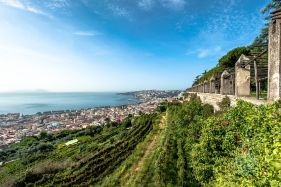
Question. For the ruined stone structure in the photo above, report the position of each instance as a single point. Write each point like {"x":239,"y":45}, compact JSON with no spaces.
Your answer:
{"x":227,"y":83}
{"x":206,"y":87}
{"x":274,"y":57}
{"x":214,"y":99}
{"x":242,"y":77}
{"x":239,"y":83}
{"x":212,"y":85}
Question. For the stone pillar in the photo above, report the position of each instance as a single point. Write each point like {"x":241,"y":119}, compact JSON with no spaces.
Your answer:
{"x":242,"y":76}
{"x":212,"y":85}
{"x":217,"y":86}
{"x":224,"y":86}
{"x":274,"y":56}
{"x":206,"y":86}
{"x":232,"y":84}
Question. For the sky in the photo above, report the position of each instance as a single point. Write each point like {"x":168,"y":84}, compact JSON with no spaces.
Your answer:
{"x":118,"y":45}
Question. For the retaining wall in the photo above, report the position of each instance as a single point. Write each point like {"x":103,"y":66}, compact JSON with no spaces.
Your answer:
{"x":214,"y":99}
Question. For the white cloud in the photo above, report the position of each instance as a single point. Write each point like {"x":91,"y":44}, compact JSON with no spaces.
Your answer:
{"x":119,"y":11}
{"x":146,"y":4}
{"x":206,"y":52}
{"x":57,"y":4}
{"x":203,"y":53}
{"x":87,"y":33}
{"x":170,"y":4}
{"x":174,"y":4}
{"x":20,"y":5}
{"x":13,"y":3}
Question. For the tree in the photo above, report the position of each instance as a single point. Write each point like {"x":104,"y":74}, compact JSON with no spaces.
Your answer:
{"x":45,"y":136}
{"x":229,"y":60}
{"x":262,"y":39}
{"x":274,"y":4}
{"x":196,"y":80}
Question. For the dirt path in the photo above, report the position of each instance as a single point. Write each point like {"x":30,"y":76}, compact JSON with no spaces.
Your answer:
{"x":148,"y":149}
{"x":163,"y":121}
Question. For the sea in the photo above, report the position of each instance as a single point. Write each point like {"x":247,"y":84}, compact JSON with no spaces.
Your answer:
{"x":31,"y":103}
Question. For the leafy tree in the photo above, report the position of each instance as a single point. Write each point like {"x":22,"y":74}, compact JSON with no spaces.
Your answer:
{"x":262,"y":39}
{"x":43,"y":147}
{"x":45,"y":136}
{"x":196,"y":80}
{"x":127,"y":123}
{"x":229,"y":60}
{"x":274,"y":4}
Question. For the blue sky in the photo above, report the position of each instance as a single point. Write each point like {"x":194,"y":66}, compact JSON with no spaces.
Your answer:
{"x":118,"y":45}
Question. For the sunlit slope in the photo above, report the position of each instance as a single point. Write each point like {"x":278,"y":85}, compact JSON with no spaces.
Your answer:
{"x":47,"y":161}
{"x":183,"y":144}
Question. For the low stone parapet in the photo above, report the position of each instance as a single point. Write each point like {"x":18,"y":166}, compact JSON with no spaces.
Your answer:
{"x":214,"y":99}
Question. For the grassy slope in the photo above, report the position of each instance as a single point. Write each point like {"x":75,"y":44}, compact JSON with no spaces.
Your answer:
{"x":94,"y":157}
{"x":187,"y":145}
{"x":136,"y":169}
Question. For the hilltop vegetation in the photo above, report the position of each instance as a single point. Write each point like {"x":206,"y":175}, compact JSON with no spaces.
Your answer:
{"x":180,"y":145}
{"x":227,"y":62}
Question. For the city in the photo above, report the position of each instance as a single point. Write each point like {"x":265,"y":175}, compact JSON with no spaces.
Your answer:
{"x":14,"y":126}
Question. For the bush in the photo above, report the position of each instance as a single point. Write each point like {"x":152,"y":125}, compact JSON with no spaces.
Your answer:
{"x":240,"y":147}
{"x":44,"y":147}
{"x":45,"y":136}
{"x":225,"y":103}
{"x":229,"y":60}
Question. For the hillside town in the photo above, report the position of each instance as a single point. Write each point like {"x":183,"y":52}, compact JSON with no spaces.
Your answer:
{"x":14,"y":126}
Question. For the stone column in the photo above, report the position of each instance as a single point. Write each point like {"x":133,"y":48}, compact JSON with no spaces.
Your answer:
{"x":212,"y":85}
{"x":222,"y":83}
{"x":232,"y":84}
{"x":211,"y":90}
{"x":224,"y":86}
{"x":242,"y":77}
{"x":274,"y":56}
{"x":217,"y":86}
{"x":206,"y":86}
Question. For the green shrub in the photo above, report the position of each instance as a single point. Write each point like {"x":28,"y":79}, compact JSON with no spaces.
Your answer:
{"x":225,"y":103}
{"x":241,"y":147}
{"x":229,"y":60}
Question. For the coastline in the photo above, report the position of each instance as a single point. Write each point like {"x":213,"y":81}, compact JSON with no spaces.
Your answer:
{"x":29,"y":103}
{"x":14,"y":126}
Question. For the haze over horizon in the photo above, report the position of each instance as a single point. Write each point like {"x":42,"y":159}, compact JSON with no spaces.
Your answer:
{"x":122,"y":45}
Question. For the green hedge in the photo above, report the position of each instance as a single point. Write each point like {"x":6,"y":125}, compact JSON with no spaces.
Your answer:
{"x":241,"y":147}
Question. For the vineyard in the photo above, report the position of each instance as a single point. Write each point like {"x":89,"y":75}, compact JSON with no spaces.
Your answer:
{"x":83,"y":164}
{"x":183,"y":144}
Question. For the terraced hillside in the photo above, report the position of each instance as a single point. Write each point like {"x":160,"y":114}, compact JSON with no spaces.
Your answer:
{"x":183,"y":144}
{"x":47,"y":161}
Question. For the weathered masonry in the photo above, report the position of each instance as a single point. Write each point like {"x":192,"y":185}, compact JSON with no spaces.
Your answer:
{"x":258,"y":71}
{"x":274,"y":56}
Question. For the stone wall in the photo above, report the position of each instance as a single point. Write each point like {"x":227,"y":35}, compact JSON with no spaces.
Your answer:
{"x":274,"y":58}
{"x":242,"y":77}
{"x":214,"y":99}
